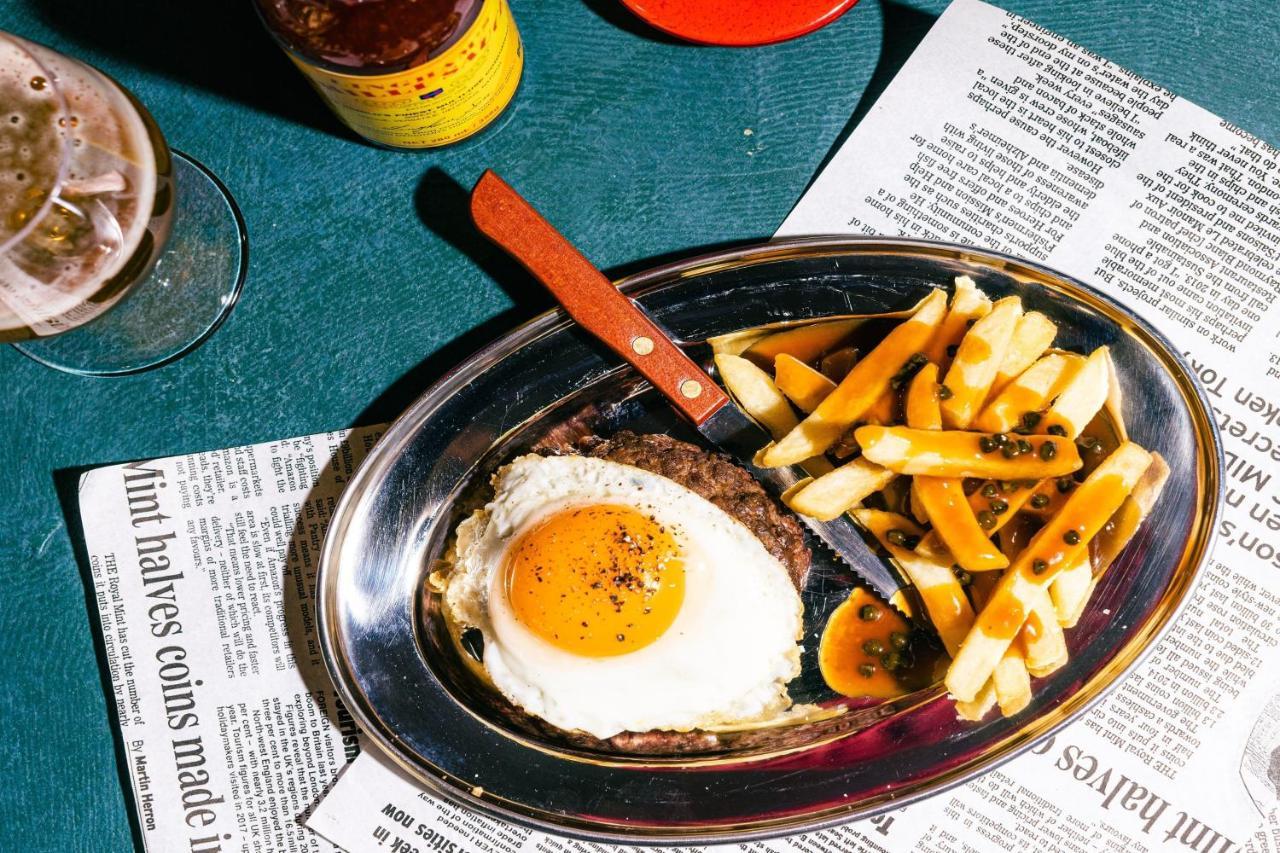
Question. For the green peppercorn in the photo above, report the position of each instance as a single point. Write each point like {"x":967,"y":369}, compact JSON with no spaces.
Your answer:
{"x":869,"y":613}
{"x":1039,"y":501}
{"x":1039,"y":567}
{"x":896,"y":537}
{"x":898,"y":640}
{"x":875,"y":648}
{"x":989,"y":490}
{"x":911,"y":543}
{"x":1024,"y":446}
{"x":999,"y":507}
{"x":1048,"y":450}
{"x":987,"y":444}
{"x":952,"y":350}
{"x":1030,"y":419}
{"x":1010,"y":450}
{"x":1066,"y":484}
{"x":892,"y":661}
{"x":1058,"y":430}
{"x":986,"y":519}
{"x":944,"y":393}
{"x":867,"y":670}
{"x":1071,"y":537}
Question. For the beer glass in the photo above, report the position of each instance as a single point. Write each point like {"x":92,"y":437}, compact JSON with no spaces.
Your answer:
{"x":117,"y":254}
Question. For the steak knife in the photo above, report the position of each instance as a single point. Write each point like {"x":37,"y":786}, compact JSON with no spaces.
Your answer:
{"x":598,"y":306}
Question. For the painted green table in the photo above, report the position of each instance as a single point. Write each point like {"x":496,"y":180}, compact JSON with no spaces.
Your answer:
{"x":366,"y":280}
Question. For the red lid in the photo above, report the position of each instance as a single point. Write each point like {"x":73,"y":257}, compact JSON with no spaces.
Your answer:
{"x":738,"y":23}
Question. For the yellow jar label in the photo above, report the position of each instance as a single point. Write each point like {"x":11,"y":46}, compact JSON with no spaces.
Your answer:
{"x":441,"y":101}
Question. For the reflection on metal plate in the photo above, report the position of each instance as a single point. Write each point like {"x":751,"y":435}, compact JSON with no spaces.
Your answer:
{"x":415,"y":689}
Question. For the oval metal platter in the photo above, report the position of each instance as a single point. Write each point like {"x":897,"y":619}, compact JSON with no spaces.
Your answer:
{"x":417,"y":690}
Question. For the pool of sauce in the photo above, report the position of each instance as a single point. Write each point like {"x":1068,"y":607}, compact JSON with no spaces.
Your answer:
{"x":850,"y":669}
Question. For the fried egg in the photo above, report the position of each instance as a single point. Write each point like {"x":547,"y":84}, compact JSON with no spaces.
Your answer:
{"x":611,"y":599}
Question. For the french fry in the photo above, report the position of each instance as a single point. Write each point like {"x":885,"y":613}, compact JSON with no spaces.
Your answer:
{"x":922,"y":407}
{"x":1010,"y":684}
{"x":868,"y":380}
{"x":968,"y":303}
{"x":1032,"y":391}
{"x":760,"y":398}
{"x":815,"y":466}
{"x":1124,"y":524}
{"x":805,"y":343}
{"x":835,"y":493}
{"x":953,"y":453}
{"x":981,"y":705}
{"x":1012,"y":681}
{"x":1031,"y":337}
{"x":1059,"y":543}
{"x":734,"y":343}
{"x":1012,"y":676}
{"x":757,"y":394}
{"x":1082,"y":397}
{"x":979,"y":357}
{"x":944,"y":501}
{"x":1054,"y":493}
{"x":882,"y":410}
{"x":1043,"y":643}
{"x":801,"y":384}
{"x":1070,"y":591}
{"x":836,"y":364}
{"x":1115,"y":400}
{"x":920,"y":515}
{"x":1073,"y":587}
{"x":1016,"y":499}
{"x":944,"y":599}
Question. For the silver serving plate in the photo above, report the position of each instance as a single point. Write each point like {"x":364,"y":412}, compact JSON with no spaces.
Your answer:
{"x":415,"y":687}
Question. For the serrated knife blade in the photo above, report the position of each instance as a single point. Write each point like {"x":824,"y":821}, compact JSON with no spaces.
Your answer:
{"x":739,"y":436}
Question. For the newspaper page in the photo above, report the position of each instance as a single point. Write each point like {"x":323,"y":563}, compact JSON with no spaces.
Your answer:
{"x":999,"y":133}
{"x":203,"y":567}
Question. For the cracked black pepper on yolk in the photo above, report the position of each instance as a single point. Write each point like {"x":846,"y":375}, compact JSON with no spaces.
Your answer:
{"x":596,"y":581}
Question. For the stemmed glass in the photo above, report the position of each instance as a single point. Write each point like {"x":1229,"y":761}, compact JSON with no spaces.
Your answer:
{"x":117,"y":254}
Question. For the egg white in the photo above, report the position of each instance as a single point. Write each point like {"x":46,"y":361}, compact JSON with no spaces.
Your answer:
{"x":725,"y":659}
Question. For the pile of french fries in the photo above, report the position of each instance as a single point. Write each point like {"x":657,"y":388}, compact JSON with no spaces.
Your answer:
{"x":968,"y":399}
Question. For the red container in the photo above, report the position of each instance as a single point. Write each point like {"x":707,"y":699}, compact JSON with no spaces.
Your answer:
{"x":738,"y":23}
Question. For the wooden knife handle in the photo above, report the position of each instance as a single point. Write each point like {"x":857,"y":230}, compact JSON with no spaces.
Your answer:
{"x":591,"y":299}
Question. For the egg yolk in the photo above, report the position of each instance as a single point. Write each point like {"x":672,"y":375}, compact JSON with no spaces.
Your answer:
{"x":597,"y":580}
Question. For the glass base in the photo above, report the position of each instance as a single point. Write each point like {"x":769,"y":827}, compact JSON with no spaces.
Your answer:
{"x":193,"y":287}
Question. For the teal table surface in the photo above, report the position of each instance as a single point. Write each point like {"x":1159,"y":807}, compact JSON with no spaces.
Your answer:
{"x":366,"y":280}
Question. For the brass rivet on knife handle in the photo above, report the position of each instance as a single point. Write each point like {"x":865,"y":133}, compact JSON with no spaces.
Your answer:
{"x":591,"y":299}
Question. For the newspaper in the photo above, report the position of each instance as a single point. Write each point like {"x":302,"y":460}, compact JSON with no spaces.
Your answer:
{"x":203,"y":569}
{"x":203,"y":565}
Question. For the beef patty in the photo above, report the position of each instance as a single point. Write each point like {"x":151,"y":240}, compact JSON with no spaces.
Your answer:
{"x":715,"y":477}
